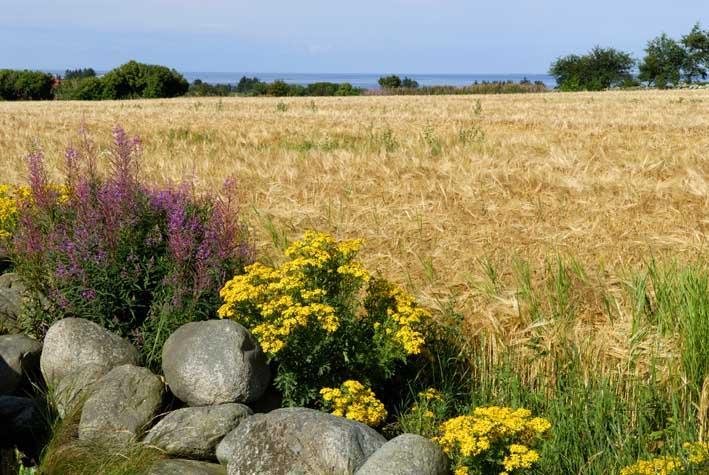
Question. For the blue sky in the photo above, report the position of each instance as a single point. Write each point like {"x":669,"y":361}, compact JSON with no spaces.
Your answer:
{"x":404,"y":36}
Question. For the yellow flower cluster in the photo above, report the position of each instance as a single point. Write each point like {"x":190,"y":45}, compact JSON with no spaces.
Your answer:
{"x":274,"y":302}
{"x":657,"y":466}
{"x":408,"y":318}
{"x":10,"y":199}
{"x":520,"y":456}
{"x":354,"y":401}
{"x":466,"y":437}
{"x":697,"y":453}
{"x":431,"y":394}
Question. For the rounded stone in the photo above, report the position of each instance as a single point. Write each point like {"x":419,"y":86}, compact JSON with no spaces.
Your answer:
{"x":72,"y":343}
{"x":19,"y":358}
{"x":194,"y":432}
{"x":214,"y":362}
{"x":407,"y":454}
{"x":121,"y":405}
{"x":297,"y":440}
{"x":186,"y":467}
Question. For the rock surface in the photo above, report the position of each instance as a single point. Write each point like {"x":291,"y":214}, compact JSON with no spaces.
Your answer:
{"x":407,"y":454}
{"x":12,"y":291}
{"x":297,"y":441}
{"x":214,"y":362}
{"x":72,"y":343}
{"x":194,"y":432}
{"x":122,"y":404}
{"x":21,"y":424}
{"x":186,"y":467}
{"x":19,"y":357}
{"x":76,"y":386}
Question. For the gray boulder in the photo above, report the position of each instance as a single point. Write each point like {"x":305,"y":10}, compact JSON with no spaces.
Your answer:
{"x":72,"y":343}
{"x":407,"y":454}
{"x":214,"y":362}
{"x":76,"y":386}
{"x":12,"y":292}
{"x":22,"y":424}
{"x":297,"y":441}
{"x":194,"y":432}
{"x":186,"y":467}
{"x":121,"y":405}
{"x":19,"y":357}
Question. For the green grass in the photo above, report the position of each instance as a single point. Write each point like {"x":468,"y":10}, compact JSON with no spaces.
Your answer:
{"x":601,"y":422}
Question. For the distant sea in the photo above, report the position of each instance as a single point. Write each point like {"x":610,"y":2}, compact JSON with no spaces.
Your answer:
{"x":365,"y":81}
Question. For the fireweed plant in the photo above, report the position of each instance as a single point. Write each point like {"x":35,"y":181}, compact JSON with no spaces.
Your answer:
{"x":323,"y":320}
{"x":137,"y":259}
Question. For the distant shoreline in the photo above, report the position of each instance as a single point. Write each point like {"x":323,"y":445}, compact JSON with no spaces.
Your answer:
{"x":359,"y":80}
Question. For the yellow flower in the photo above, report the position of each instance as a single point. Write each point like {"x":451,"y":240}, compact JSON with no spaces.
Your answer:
{"x":520,"y":457}
{"x":431,"y":394}
{"x":354,"y":401}
{"x":657,"y":466}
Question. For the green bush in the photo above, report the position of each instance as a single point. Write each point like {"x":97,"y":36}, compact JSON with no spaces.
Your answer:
{"x":390,"y":82}
{"x":84,"y":89}
{"x":135,"y":80}
{"x":322,"y":320}
{"x":25,"y":85}
{"x":600,"y":69}
{"x":80,"y":73}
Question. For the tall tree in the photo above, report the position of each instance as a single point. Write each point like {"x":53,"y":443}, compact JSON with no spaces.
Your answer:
{"x":600,"y":68}
{"x":664,"y":62}
{"x":696,"y":43}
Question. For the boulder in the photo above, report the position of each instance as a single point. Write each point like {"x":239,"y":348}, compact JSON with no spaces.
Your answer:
{"x":194,"y":432}
{"x":12,"y":292}
{"x":186,"y":467}
{"x":297,"y":440}
{"x":76,"y":386}
{"x":121,"y":405}
{"x":22,"y":425}
{"x":214,"y":362}
{"x":19,"y":357}
{"x":73,"y":343}
{"x":407,"y":454}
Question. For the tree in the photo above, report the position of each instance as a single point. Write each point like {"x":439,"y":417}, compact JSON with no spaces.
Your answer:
{"x":80,"y":73}
{"x":278,"y":88}
{"x":390,"y":82}
{"x":599,"y":69}
{"x":696,"y":44}
{"x":134,"y":80}
{"x":409,"y":83}
{"x":25,"y":85}
{"x":664,"y":62}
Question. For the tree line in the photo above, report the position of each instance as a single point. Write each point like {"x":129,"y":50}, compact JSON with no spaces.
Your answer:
{"x":666,"y":62}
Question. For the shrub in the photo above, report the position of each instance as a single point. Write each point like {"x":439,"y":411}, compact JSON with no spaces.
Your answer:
{"x":390,"y":82}
{"x":203,"y":89}
{"x":600,"y":69}
{"x":278,"y":88}
{"x":83,"y":89}
{"x":80,"y":73}
{"x":135,"y":80}
{"x":317,"y":323}
{"x":25,"y":85}
{"x":251,"y":86}
{"x":346,"y":89}
{"x":136,"y":259}
{"x":492,"y":440}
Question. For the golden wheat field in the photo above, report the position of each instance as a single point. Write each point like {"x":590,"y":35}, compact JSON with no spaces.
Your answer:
{"x":439,"y":187}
